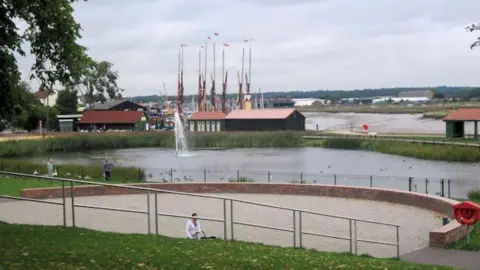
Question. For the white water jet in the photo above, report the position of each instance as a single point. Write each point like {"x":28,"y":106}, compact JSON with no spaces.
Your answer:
{"x":181,"y":147}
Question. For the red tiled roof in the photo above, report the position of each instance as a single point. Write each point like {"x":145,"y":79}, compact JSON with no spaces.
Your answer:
{"x":208,"y":116}
{"x":109,"y":117}
{"x":41,"y":94}
{"x":466,"y":114}
{"x":261,"y":114}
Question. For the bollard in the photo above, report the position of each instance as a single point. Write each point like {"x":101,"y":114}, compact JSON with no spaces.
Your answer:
{"x":448,"y":187}
{"x":371,"y":181}
{"x":426,"y":185}
{"x":301,"y":177}
{"x":442,"y":188}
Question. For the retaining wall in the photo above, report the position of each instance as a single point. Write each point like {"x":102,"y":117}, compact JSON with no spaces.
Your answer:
{"x":439,"y":237}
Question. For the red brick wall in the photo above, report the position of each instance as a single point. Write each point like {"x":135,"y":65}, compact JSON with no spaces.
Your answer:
{"x":438,"y":237}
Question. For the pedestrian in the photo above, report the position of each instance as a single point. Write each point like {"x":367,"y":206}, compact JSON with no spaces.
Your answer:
{"x":107,"y":167}
{"x":50,"y":168}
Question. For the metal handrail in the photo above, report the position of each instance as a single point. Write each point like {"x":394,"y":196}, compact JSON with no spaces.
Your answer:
{"x":187,"y":194}
{"x":224,"y":220}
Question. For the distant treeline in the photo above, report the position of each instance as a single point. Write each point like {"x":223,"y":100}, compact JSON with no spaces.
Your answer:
{"x":447,"y":91}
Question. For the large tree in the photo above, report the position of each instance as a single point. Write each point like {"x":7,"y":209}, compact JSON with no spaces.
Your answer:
{"x":99,"y":79}
{"x":52,"y":33}
{"x":67,"y":101}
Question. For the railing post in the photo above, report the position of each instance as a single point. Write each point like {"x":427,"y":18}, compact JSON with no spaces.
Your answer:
{"x":148,"y":211}
{"x":335,"y":179}
{"x":294,"y":229}
{"x":225,"y":219}
{"x":268,"y":177}
{"x":398,"y":242}
{"x":300,"y":228}
{"x":351,"y":235}
{"x":231,"y":220}
{"x":426,"y":185}
{"x":64,"y":205}
{"x":448,"y":189}
{"x":301,"y":177}
{"x":371,"y":181}
{"x":355,"y":235}
{"x":410,"y":180}
{"x":81,"y":172}
{"x":156,"y":213}
{"x":171,"y":175}
{"x":72,"y":194}
{"x":442,"y":188}
{"x":238,"y":175}
{"x":204,"y":175}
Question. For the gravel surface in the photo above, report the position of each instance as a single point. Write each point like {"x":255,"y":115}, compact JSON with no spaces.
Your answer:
{"x":415,"y":223}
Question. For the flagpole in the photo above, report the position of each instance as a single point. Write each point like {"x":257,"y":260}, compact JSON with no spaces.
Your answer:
{"x":206,"y":74}
{"x":199,"y":101}
{"x":250,"y":64}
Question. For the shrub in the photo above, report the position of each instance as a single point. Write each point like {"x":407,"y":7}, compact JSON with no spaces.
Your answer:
{"x":474,"y":195}
{"x":119,"y":174}
{"x":241,"y":179}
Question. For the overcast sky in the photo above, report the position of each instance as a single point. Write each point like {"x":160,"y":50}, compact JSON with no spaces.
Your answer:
{"x":299,"y":44}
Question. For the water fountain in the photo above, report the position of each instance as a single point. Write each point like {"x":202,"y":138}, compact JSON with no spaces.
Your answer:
{"x":181,"y":147}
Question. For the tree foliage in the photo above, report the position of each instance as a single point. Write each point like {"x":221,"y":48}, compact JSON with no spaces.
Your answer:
{"x":100,"y":79}
{"x":67,"y":101}
{"x":28,"y":110}
{"x":52,"y":33}
{"x":472,"y":28}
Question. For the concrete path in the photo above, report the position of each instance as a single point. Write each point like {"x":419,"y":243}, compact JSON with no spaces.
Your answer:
{"x":467,"y":260}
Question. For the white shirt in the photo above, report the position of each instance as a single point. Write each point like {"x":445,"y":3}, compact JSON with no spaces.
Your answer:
{"x":191,"y":229}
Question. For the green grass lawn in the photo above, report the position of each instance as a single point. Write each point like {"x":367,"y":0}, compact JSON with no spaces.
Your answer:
{"x":12,"y":186}
{"x":37,"y":247}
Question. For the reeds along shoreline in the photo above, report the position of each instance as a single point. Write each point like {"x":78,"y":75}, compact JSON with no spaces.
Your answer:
{"x":281,"y":139}
{"x":72,"y":171}
{"x":407,"y":149}
{"x":102,"y":141}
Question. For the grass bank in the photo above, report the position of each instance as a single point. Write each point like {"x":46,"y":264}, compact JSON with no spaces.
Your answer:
{"x":407,"y":149}
{"x":435,"y":115}
{"x":103,"y":141}
{"x":37,"y":247}
{"x":474,"y":244}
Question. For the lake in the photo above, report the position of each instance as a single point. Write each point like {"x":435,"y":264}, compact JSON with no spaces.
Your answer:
{"x":314,"y":165}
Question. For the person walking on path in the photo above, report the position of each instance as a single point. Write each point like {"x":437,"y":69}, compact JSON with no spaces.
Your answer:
{"x":107,"y":167}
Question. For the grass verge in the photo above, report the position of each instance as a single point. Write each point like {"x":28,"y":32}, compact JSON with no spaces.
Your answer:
{"x":37,"y":247}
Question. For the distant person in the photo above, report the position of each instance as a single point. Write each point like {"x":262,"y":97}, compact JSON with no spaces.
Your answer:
{"x":107,"y":168}
{"x":192,"y":229}
{"x":50,"y":168}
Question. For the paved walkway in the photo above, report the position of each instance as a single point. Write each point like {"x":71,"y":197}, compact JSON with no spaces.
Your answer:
{"x":467,"y":260}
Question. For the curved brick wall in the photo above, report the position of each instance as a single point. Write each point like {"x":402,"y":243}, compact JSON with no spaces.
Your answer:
{"x":438,"y":237}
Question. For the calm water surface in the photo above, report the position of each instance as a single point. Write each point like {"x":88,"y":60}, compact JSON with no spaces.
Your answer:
{"x":285,"y":165}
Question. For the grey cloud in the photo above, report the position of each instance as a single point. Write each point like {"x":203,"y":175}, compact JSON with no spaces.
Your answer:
{"x":302,"y":44}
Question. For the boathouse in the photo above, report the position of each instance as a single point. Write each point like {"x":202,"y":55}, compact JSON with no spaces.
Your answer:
{"x":265,"y":120}
{"x":455,"y":122}
{"x":112,"y":121}
{"x":207,"y":122}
